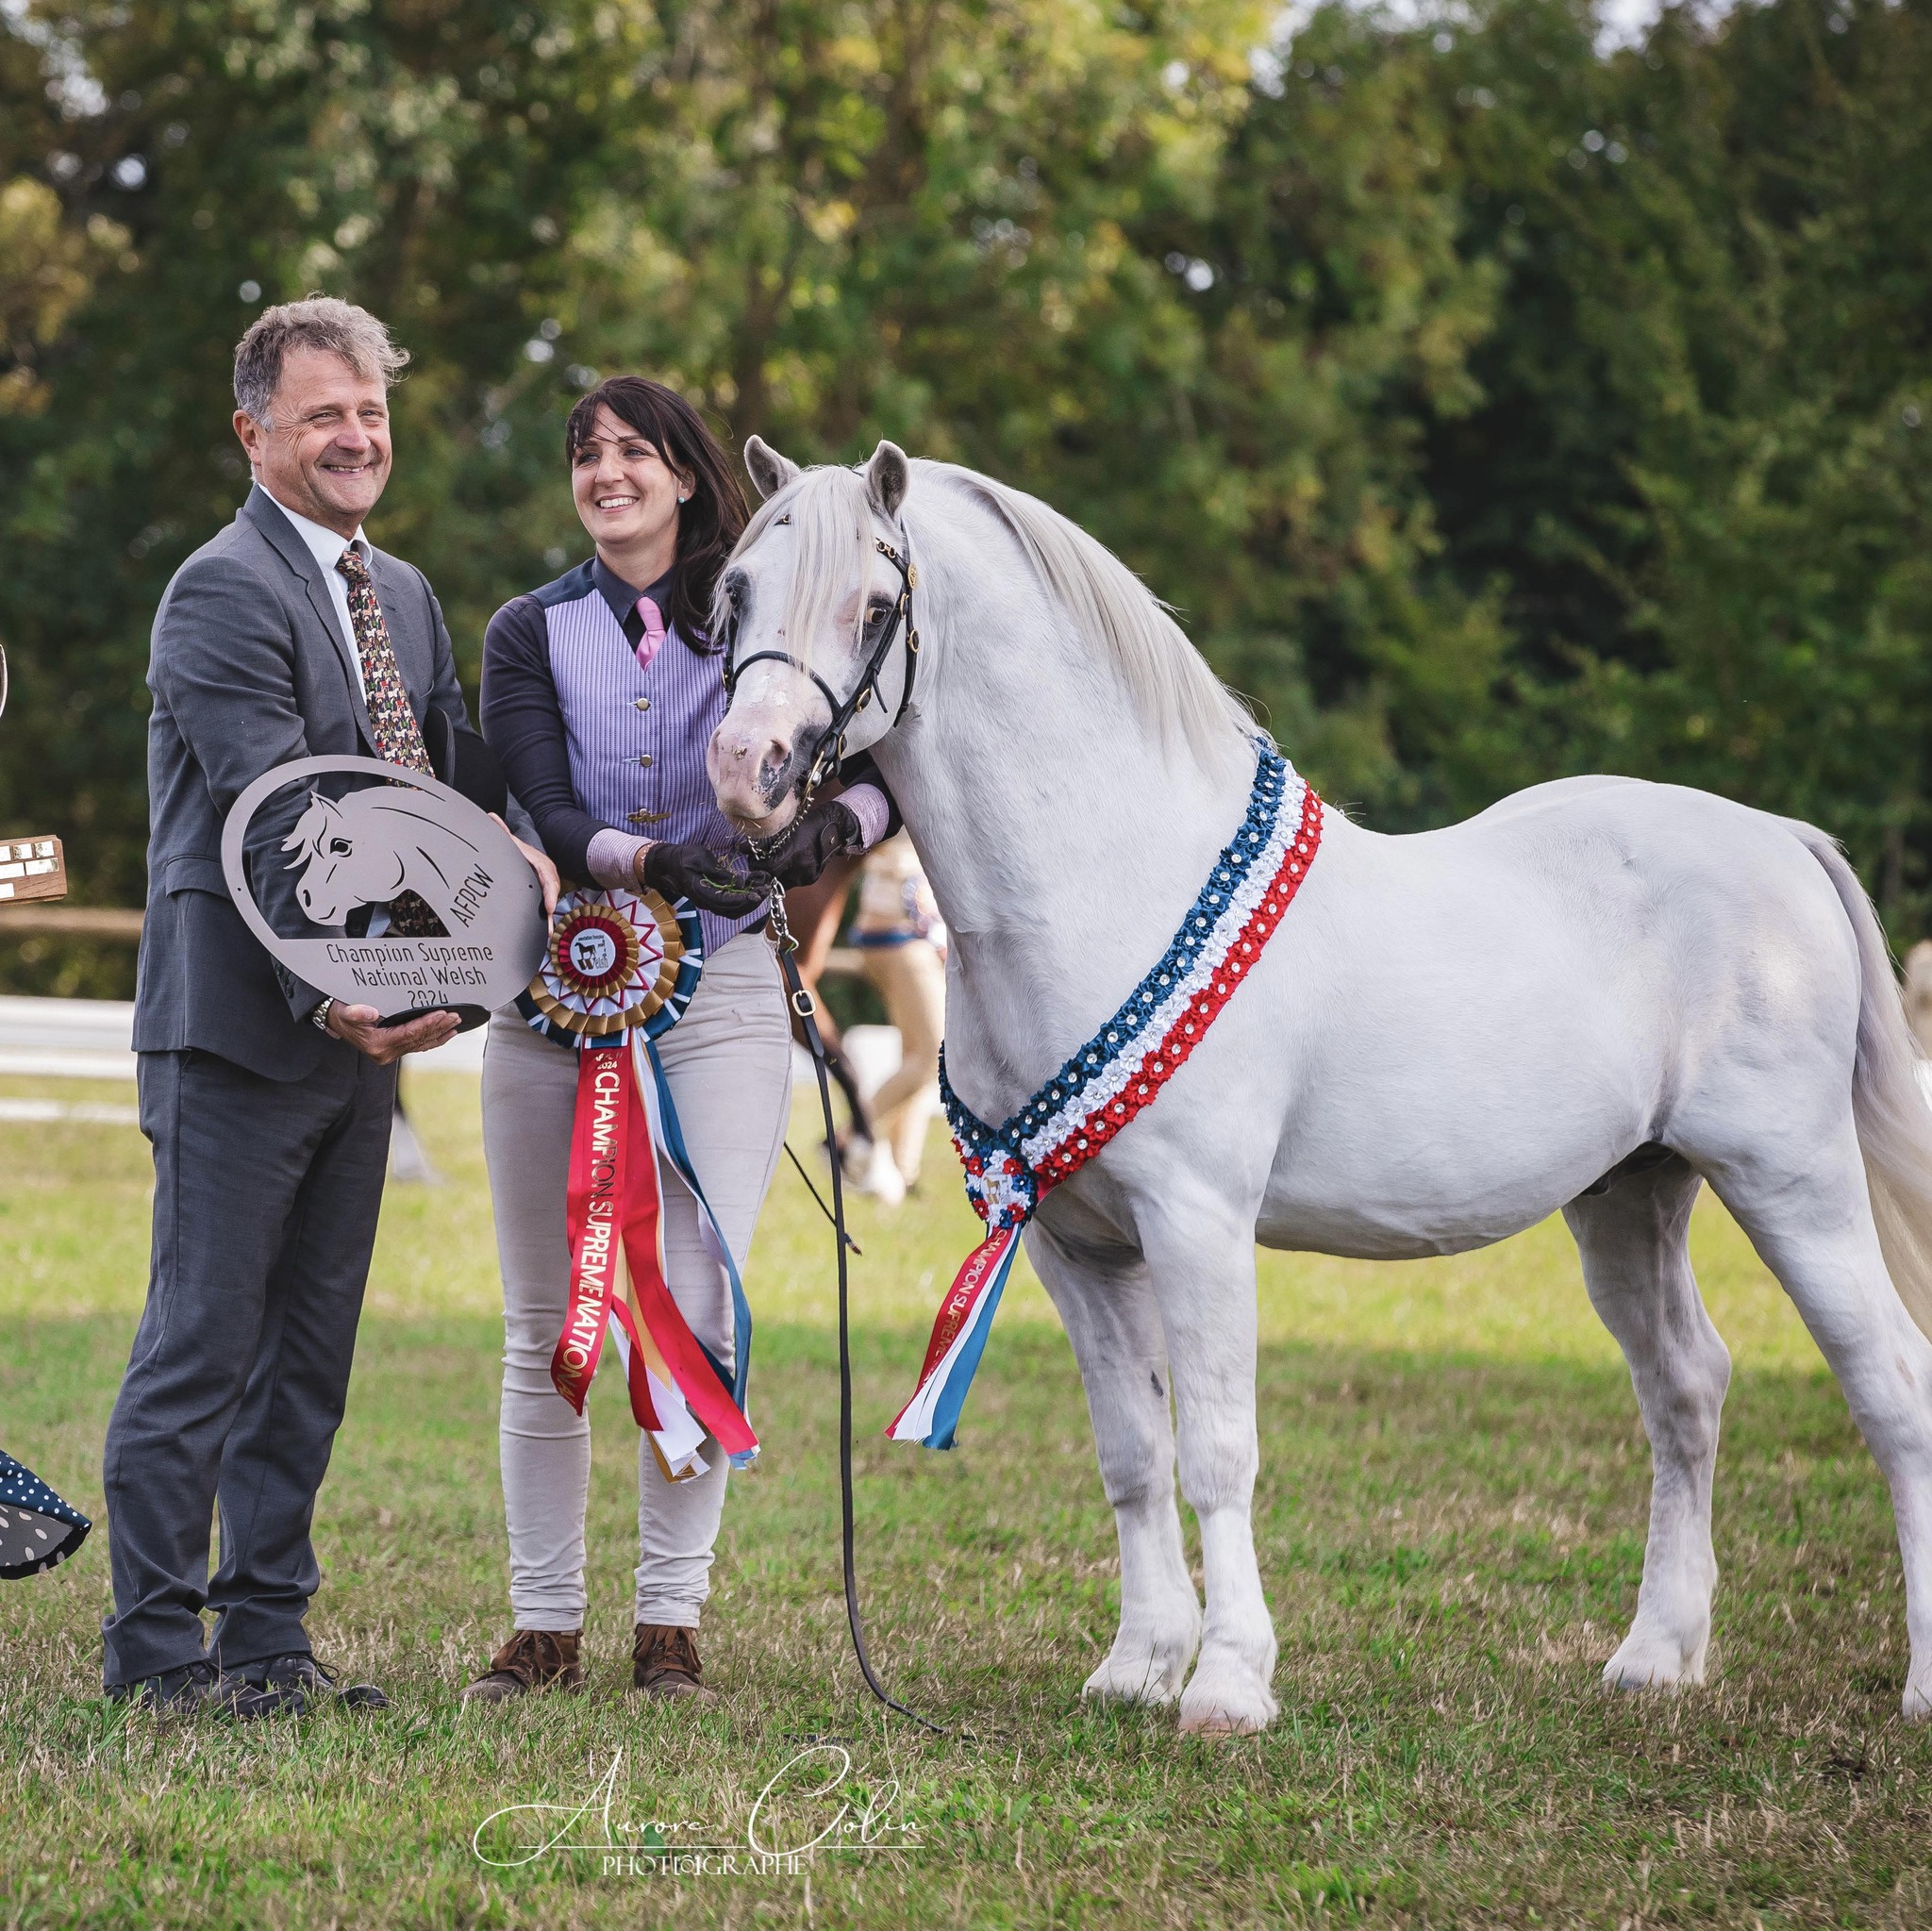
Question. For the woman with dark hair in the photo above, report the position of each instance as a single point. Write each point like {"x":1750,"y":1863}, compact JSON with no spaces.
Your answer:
{"x":600,"y":694}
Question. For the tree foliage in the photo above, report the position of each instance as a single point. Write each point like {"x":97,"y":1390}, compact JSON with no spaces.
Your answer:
{"x":1491,"y":405}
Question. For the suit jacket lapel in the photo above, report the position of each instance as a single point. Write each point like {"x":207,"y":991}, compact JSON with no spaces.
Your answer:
{"x":265,"y":513}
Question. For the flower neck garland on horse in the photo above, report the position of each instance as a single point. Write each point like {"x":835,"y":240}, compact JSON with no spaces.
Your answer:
{"x":1109,"y":1079}
{"x":618,"y":972}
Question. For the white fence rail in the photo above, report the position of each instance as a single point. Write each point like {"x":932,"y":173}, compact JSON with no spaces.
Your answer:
{"x":93,"y":1038}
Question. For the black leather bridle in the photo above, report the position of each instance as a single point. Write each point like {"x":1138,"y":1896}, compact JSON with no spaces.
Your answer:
{"x":828,"y":755}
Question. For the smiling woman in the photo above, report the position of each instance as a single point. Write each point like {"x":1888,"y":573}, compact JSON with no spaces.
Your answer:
{"x":600,"y":694}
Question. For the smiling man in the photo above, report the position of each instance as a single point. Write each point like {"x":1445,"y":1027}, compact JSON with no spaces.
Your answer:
{"x":268,"y":1107}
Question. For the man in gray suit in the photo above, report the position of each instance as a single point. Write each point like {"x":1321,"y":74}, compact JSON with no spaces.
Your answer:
{"x":268,"y":1106}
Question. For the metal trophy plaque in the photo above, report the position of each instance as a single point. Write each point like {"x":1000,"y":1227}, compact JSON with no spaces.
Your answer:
{"x":411,"y":834}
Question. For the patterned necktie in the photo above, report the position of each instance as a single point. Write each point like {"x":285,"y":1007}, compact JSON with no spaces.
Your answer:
{"x":392,"y":724}
{"x":649,"y":643}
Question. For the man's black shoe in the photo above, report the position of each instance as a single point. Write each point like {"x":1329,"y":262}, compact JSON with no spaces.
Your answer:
{"x":192,"y":1689}
{"x":304,"y":1683}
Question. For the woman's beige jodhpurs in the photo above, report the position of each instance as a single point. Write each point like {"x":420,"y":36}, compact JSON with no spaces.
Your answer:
{"x":729,"y":1064}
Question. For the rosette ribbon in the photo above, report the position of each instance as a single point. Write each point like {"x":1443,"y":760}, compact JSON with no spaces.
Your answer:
{"x":1120,"y":1070}
{"x":618,"y":972}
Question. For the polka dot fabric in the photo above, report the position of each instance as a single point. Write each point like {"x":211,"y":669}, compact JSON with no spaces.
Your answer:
{"x":36,"y":1528}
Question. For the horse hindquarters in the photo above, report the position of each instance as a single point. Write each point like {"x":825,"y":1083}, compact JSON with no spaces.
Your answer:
{"x":1632,"y":1232}
{"x":1837,"y":1198}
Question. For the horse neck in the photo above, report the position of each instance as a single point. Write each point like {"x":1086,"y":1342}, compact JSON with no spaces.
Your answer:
{"x":1063,"y":840}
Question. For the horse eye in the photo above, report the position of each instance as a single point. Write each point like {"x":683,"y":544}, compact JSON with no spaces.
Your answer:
{"x":337,"y":847}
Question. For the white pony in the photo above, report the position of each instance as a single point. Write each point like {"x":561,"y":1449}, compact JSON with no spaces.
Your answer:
{"x":1595,"y":996}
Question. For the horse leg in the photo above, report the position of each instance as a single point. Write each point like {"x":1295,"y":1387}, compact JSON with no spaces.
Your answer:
{"x":1811,"y":1223}
{"x":1633,"y":1233}
{"x":1203,"y":1266}
{"x":1107,"y":1304}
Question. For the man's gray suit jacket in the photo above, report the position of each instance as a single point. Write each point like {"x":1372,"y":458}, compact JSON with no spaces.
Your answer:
{"x":250,"y":669}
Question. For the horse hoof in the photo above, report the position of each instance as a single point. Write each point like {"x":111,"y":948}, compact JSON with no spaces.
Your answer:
{"x":1226,"y":1701}
{"x":1916,"y":1705}
{"x":1650,"y":1661}
{"x":1142,"y":1677}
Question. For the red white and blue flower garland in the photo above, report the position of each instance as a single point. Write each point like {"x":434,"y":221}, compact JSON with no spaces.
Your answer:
{"x":1117,"y":1072}
{"x":618,"y":972}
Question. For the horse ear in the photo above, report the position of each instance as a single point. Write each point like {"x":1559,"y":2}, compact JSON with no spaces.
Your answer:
{"x":888,"y":476}
{"x":770,"y":471}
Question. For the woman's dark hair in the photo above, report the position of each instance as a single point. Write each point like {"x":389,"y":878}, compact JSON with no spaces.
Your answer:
{"x":710,"y":525}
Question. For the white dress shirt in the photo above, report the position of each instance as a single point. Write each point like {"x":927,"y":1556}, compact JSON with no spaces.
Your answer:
{"x":326,"y":547}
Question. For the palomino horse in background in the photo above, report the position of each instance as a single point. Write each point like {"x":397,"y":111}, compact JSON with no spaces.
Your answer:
{"x":1593,"y":997}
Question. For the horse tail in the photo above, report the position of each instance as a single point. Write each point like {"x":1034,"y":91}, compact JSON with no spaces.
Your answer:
{"x":1889,"y":1105}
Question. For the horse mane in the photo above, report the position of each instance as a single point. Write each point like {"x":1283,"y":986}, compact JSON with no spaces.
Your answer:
{"x":1168,"y":681}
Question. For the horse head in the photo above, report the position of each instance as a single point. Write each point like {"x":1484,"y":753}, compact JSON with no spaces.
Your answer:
{"x":343,"y":866}
{"x":814,"y":618}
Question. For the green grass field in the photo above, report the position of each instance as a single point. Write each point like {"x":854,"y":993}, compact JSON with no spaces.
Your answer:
{"x":1450,"y":1521}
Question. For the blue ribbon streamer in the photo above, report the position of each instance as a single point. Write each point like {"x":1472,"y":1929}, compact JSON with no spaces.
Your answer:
{"x":738,"y":1380}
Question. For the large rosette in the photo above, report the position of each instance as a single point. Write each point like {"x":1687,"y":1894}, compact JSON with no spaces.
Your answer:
{"x":616,"y":962}
{"x":618,"y":972}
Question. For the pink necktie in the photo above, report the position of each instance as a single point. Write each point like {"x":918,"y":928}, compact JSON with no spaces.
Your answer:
{"x":654,"y":632}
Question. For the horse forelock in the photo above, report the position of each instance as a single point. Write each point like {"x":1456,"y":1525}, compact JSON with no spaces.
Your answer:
{"x":830,"y":518}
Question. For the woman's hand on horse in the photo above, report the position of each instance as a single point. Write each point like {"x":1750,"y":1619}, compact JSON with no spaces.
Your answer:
{"x":362,"y":1025}
{"x":708,"y":880}
{"x":541,"y":865}
{"x":812,"y":840}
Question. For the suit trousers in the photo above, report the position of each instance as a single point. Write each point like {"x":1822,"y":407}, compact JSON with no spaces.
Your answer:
{"x":266,"y":1198}
{"x":728,"y":1061}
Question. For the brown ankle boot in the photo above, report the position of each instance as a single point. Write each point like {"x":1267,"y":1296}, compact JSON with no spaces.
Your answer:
{"x":532,"y":1659}
{"x":664,"y":1662}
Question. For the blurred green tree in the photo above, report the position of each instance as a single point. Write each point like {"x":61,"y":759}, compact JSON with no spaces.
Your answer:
{"x":1491,"y":404}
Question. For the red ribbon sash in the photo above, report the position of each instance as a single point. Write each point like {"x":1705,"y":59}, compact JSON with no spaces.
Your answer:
{"x":968,"y":1285}
{"x":597,"y":1146}
{"x":614,"y":1201}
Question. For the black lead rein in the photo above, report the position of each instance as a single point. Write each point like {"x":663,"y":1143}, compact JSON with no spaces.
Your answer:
{"x":806,"y":1006}
{"x":826,"y":760}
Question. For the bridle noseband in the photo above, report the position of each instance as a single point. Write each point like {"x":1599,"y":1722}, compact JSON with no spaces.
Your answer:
{"x":828,"y":756}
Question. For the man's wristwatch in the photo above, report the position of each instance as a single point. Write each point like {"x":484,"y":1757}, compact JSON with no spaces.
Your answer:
{"x":319,"y":1017}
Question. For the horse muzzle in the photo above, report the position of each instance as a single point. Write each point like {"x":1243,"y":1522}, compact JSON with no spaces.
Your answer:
{"x":758,"y":772}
